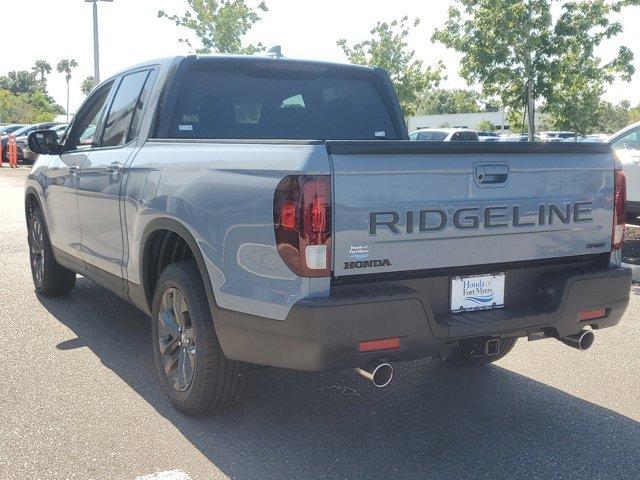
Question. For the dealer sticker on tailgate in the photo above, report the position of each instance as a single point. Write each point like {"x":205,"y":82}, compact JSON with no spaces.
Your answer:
{"x":477,"y":292}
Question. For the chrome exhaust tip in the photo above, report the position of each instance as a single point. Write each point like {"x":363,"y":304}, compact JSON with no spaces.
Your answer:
{"x":379,"y":373}
{"x":581,"y":341}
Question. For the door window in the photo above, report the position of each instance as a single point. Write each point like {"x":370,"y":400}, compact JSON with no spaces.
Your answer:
{"x":123,"y":107}
{"x":81,"y":136}
{"x":136,"y":122}
{"x":630,"y":141}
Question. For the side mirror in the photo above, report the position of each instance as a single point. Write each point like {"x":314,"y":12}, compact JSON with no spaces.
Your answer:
{"x":44,"y":142}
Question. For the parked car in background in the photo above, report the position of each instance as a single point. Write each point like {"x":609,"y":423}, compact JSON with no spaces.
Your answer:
{"x":7,"y":129}
{"x":513,"y":138}
{"x":556,"y":136}
{"x":25,"y":155}
{"x":444,"y":135}
{"x":488,"y":136}
{"x":626,"y":144}
{"x":596,"y":137}
{"x":22,"y":133}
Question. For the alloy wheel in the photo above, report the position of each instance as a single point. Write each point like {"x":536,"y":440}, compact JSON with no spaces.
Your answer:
{"x":37,"y":250}
{"x":176,"y":340}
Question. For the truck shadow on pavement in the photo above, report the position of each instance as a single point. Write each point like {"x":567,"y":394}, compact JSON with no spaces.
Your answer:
{"x":433,"y":422}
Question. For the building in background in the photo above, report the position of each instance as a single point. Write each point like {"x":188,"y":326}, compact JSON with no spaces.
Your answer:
{"x":461,"y":120}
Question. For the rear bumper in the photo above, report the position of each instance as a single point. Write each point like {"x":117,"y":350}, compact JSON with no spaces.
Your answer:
{"x":324,"y":333}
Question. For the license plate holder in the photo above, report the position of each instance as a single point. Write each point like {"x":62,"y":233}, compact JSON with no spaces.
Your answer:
{"x":471,"y":293}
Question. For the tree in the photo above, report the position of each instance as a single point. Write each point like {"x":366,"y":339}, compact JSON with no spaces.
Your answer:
{"x":515,"y":51}
{"x":612,"y":118}
{"x":579,"y":75}
{"x":442,"y":100}
{"x":485,"y":126}
{"x":42,"y":68}
{"x":64,"y":66}
{"x":219,"y":24}
{"x":634,"y":114}
{"x":24,"y":108}
{"x":387,"y":48}
{"x":87,"y":85}
{"x":19,"y":82}
{"x":25,"y":99}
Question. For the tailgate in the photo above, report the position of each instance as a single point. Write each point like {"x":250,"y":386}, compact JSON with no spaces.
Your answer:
{"x":402,"y":206}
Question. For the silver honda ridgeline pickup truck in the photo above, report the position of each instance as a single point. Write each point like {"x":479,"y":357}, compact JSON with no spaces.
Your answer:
{"x":273,"y":212}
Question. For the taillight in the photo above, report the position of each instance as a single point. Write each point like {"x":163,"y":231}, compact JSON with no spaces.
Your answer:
{"x":302,"y":222}
{"x":619,"y":209}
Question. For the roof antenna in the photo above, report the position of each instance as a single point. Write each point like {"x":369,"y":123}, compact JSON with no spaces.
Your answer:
{"x":275,"y":52}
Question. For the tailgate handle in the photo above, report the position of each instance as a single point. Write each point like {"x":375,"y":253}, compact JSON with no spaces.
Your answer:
{"x":491,"y":174}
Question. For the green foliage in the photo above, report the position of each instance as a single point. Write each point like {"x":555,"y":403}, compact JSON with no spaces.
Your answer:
{"x":516,"y":121}
{"x":87,"y":85}
{"x":508,"y":43}
{"x":26,"y":108}
{"x":42,"y":68}
{"x":387,"y":48}
{"x":65,"y":66}
{"x":579,"y":75}
{"x":19,"y":82}
{"x":219,"y":24}
{"x":485,"y":126}
{"x":504,"y":43}
{"x":615,"y":117}
{"x":442,"y":100}
{"x":24,"y":99}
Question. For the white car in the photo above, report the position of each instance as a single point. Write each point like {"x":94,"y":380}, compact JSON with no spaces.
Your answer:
{"x":626,"y":144}
{"x":488,"y":136}
{"x":444,"y":135}
{"x":596,"y":137}
{"x":557,"y":136}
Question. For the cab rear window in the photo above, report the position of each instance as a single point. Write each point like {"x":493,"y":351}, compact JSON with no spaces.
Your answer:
{"x":260,"y":102}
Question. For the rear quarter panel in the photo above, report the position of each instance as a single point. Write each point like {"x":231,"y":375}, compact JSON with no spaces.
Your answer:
{"x":223,"y":194}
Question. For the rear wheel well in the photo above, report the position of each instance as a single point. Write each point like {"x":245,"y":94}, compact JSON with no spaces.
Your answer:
{"x":163,"y":248}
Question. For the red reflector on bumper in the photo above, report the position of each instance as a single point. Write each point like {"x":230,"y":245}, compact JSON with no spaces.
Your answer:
{"x":591,"y":314}
{"x":384,"y":344}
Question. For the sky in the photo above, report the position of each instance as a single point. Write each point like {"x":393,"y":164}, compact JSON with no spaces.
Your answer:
{"x":131,"y":32}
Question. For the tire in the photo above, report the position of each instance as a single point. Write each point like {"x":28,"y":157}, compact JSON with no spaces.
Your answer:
{"x":464,"y":355}
{"x":49,"y":277}
{"x":192,"y":369}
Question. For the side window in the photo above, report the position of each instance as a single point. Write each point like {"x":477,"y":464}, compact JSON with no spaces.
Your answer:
{"x":136,"y":122}
{"x":631,"y":141}
{"x":81,"y":135}
{"x":413,"y":136}
{"x":456,"y":137}
{"x":470,"y":137}
{"x":122,"y":109}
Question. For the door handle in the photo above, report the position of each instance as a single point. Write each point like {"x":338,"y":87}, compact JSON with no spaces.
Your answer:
{"x":114,"y":167}
{"x":74,"y":169}
{"x":491,"y":174}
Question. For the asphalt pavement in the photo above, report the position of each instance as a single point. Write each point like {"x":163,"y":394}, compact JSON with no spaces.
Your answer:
{"x":79,"y":400}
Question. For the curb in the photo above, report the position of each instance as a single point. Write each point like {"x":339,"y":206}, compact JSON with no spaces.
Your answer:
{"x":635,"y":271}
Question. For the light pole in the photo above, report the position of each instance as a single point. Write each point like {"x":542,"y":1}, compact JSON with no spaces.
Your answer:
{"x":96,"y":47}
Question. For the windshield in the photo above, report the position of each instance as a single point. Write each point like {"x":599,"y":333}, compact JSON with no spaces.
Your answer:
{"x":256,"y":102}
{"x":23,"y":130}
{"x":10,"y":129}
